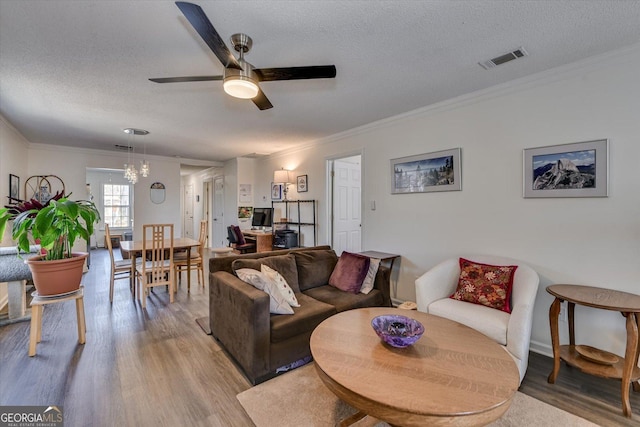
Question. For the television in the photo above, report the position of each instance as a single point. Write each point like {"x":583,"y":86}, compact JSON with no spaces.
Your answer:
{"x":262,"y":217}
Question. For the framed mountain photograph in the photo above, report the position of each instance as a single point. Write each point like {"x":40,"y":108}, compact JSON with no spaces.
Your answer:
{"x":579,"y":169}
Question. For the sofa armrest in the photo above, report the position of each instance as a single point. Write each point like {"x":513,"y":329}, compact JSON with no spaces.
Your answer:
{"x":437,"y":283}
{"x":382,"y":282}
{"x":523,"y":298}
{"x":239,"y":318}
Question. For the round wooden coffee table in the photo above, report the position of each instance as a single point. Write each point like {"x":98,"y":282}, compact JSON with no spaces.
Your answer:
{"x":453,"y":375}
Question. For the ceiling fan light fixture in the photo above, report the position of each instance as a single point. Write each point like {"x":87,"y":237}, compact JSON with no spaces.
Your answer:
{"x":240,"y":87}
{"x":243,"y":83}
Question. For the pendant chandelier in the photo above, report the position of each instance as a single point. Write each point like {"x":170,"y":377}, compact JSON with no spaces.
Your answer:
{"x":130,"y":171}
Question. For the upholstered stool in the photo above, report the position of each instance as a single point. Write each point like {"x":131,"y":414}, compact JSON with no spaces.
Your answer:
{"x":37,"y":308}
{"x":220,"y":252}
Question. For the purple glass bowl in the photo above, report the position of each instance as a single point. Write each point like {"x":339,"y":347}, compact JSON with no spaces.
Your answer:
{"x":397,"y":331}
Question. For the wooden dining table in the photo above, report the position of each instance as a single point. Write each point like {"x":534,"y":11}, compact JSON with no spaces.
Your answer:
{"x":134,"y":249}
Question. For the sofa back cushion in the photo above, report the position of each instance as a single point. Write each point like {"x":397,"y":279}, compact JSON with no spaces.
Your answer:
{"x":350,"y":272}
{"x":315,"y":267}
{"x":283,"y":264}
{"x":224,"y":263}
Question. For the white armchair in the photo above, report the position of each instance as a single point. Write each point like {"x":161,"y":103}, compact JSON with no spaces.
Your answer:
{"x":511,"y":330}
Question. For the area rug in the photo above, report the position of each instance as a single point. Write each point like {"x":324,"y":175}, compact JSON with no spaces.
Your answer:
{"x":203,"y":322}
{"x":299,"y":398}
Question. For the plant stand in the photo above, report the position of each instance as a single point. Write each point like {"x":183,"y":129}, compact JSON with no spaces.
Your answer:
{"x":37,"y":308}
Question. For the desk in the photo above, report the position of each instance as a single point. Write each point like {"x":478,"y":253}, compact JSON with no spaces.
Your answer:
{"x":382,"y":256}
{"x":452,"y":376}
{"x":625,"y":369}
{"x":134,"y":249}
{"x":263,"y":239}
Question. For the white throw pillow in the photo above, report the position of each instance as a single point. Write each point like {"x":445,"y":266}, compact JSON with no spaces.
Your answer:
{"x":277,"y":303}
{"x":282,"y":285}
{"x":367,"y":283}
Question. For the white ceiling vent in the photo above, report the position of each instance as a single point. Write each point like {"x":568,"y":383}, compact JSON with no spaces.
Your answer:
{"x":499,"y":60}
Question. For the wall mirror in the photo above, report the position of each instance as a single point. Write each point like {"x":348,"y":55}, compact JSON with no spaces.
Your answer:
{"x":157,"y":193}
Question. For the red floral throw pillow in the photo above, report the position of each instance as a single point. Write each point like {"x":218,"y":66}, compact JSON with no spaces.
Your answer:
{"x":485,"y":284}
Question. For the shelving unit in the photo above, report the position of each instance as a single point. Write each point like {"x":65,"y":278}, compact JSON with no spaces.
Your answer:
{"x":304,"y":218}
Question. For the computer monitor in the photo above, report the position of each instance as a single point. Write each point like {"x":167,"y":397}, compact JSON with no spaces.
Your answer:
{"x":262,"y":217}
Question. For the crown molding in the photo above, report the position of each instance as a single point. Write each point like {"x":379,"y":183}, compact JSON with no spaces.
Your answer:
{"x":553,"y":75}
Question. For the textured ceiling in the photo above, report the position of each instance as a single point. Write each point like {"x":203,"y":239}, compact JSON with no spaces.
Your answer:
{"x":75,"y":72}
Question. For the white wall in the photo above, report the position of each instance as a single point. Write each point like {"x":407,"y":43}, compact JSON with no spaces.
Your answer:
{"x":590,"y":241}
{"x":70,"y":164}
{"x":14,"y":161}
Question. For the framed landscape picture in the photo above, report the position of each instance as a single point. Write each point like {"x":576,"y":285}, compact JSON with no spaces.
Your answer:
{"x":422,"y":173}
{"x":569,"y":170}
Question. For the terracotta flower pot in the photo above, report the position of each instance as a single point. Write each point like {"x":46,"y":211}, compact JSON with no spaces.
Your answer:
{"x":58,"y":276}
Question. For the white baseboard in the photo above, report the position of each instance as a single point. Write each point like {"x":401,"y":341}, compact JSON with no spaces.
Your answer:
{"x":541,"y":348}
{"x":396,"y":302}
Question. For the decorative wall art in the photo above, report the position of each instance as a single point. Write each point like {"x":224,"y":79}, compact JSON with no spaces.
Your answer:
{"x":14,"y":188}
{"x":245,"y":212}
{"x":302,"y":182}
{"x":157,"y":192}
{"x":245,"y":193}
{"x":422,"y":173}
{"x":569,"y":170}
{"x":276,"y":191}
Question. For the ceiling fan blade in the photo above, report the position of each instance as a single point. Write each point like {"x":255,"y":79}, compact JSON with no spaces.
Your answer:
{"x":261,"y":101}
{"x":196,"y":16}
{"x":296,"y":73}
{"x":186,"y":79}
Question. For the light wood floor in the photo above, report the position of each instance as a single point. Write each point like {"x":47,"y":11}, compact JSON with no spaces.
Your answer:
{"x":158,"y":368}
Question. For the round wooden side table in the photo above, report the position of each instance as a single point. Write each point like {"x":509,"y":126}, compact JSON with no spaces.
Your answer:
{"x":587,"y":359}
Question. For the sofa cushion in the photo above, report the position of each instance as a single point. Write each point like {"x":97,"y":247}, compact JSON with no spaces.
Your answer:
{"x":349,"y":272}
{"x":489,"y":285}
{"x":345,"y":300}
{"x":283,"y":264}
{"x":369,"y":280}
{"x":281,"y":284}
{"x":488,"y":321}
{"x":315,"y":267}
{"x":305,"y":319}
{"x":277,"y":302}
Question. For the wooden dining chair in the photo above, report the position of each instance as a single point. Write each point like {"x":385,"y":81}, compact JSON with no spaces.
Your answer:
{"x":157,"y":253}
{"x":120,"y":269}
{"x":181,"y":262}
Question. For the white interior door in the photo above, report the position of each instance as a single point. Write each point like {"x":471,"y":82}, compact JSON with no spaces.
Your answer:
{"x":347,"y":215}
{"x":188,"y":211}
{"x":219,"y":231}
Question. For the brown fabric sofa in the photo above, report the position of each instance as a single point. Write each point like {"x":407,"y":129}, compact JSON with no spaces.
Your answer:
{"x":261,"y":342}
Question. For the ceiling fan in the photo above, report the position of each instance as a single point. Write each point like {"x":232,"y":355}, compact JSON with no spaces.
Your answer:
{"x":240,"y":78}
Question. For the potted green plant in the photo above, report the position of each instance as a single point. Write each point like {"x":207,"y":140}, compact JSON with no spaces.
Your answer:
{"x":55,"y":225}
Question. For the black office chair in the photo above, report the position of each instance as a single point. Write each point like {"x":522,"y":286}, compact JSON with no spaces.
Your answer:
{"x":237,"y":242}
